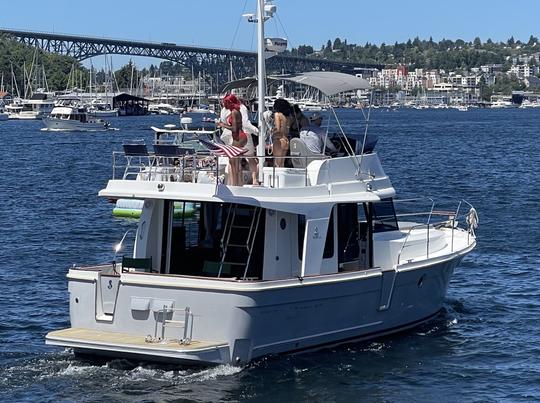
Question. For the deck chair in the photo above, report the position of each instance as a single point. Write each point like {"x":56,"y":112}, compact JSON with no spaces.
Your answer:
{"x":301,"y":156}
{"x":136,"y":156}
{"x":142,"y":264}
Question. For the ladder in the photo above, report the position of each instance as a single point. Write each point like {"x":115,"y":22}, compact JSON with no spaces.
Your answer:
{"x":239,"y":235}
{"x":186,"y":325}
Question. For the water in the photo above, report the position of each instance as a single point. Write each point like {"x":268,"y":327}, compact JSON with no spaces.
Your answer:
{"x":484,"y":345}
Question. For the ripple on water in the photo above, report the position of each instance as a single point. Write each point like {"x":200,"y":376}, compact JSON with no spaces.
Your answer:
{"x":482,"y":347}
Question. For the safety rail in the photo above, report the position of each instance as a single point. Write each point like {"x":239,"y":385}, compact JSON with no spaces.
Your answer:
{"x":180,"y":164}
{"x":186,"y":324}
{"x":452,"y":222}
{"x":184,"y":166}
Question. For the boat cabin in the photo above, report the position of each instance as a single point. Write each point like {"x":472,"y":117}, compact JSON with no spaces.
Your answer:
{"x":69,"y":113}
{"x":245,"y":242}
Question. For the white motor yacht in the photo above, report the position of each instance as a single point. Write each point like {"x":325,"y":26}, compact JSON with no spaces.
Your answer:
{"x":38,"y":106}
{"x":316,"y":255}
{"x":503,"y":103}
{"x":308,"y":105}
{"x":73,"y":118}
{"x":101,"y":109}
{"x":161,"y":109}
{"x":526,"y":104}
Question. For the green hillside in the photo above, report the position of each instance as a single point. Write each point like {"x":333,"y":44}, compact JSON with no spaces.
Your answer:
{"x":18,"y":55}
{"x":428,"y":54}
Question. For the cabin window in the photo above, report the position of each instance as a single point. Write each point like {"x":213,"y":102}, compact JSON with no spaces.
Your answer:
{"x":348,"y":246}
{"x":384,"y":216}
{"x":365,"y":235}
{"x":329,"y":243}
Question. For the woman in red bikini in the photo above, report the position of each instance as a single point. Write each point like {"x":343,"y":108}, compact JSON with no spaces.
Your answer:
{"x":239,"y":138}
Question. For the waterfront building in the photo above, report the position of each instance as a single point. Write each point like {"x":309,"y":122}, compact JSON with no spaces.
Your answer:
{"x":522,"y":71}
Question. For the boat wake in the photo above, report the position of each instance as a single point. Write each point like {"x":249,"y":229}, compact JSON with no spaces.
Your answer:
{"x":66,"y":369}
{"x":46,"y":129}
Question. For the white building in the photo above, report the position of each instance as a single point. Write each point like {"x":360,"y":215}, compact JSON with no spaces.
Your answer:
{"x":523,"y":70}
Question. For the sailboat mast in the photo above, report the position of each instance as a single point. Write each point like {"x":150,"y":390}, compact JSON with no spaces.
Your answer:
{"x":261,"y":70}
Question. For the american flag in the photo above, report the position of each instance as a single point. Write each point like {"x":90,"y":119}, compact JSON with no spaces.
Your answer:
{"x":222,"y":150}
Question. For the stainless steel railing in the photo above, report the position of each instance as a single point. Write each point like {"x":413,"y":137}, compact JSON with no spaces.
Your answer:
{"x":187,"y":168}
{"x":452,"y":222}
{"x":186,"y":324}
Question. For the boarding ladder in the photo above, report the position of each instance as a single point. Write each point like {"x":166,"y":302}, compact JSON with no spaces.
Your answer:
{"x":238,"y":237}
{"x":167,"y":320}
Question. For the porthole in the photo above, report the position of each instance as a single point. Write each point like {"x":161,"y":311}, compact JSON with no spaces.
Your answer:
{"x":283,"y":223}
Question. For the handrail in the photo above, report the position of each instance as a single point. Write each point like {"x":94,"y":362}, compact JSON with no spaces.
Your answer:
{"x":452,"y":218}
{"x":187,"y":325}
{"x":152,"y":167}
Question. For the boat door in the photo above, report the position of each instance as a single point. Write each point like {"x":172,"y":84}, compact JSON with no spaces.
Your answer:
{"x":354,"y":237}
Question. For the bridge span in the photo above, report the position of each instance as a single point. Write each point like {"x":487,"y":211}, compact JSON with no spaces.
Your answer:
{"x":213,"y":61}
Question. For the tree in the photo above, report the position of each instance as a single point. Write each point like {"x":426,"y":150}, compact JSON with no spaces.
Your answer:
{"x":126,"y":76}
{"x":16,"y":55}
{"x":477,"y":43}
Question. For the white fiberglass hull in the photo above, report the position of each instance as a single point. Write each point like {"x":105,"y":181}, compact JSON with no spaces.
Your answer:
{"x":236,"y":322}
{"x":27,"y":116}
{"x":104,"y":114}
{"x":52,"y":124}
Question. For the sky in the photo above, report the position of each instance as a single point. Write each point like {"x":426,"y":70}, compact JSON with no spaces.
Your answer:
{"x":218,"y":23}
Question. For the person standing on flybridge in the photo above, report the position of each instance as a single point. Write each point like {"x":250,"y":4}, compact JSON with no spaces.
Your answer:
{"x":280,"y":136}
{"x":233,"y":135}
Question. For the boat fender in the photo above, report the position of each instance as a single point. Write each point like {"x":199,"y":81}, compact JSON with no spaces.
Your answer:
{"x":472,"y":219}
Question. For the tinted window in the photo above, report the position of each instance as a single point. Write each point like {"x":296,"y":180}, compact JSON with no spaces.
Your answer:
{"x":384,"y":216}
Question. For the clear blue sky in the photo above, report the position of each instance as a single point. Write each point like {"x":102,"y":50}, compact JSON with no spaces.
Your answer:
{"x":214,"y":22}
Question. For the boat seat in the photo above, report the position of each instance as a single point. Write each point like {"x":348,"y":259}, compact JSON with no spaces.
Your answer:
{"x":137,"y":156}
{"x":135,"y":150}
{"x":301,"y":156}
{"x":143,"y":264}
{"x":171,"y":151}
{"x":173,"y":159}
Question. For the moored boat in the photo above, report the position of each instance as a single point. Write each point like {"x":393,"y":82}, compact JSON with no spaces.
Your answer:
{"x":37,"y":107}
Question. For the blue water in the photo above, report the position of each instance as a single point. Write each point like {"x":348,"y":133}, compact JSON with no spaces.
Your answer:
{"x":484,"y":345}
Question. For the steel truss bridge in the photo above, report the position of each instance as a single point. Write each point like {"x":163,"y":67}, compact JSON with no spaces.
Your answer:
{"x":215,"y":62}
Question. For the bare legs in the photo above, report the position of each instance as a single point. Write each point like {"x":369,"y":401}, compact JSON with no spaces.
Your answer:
{"x":280,"y":148}
{"x":235,"y":172}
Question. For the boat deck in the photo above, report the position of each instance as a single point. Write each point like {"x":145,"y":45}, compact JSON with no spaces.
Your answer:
{"x":98,"y":341}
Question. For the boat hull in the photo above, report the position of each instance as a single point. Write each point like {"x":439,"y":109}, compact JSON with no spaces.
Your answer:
{"x":52,"y":124}
{"x":302,"y":313}
{"x":104,"y":114}
{"x":27,"y":116}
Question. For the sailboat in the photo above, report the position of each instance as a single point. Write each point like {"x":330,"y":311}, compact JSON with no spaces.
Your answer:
{"x":315,"y":255}
{"x":199,"y":108}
